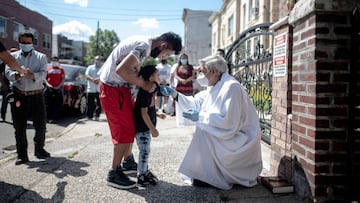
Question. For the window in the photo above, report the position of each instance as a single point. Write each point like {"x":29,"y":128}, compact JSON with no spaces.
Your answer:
{"x":2,"y":27}
{"x":46,"y":41}
{"x":214,"y":39}
{"x":17,"y":29}
{"x":249,"y":11}
{"x":36,"y":36}
{"x":231,"y":25}
{"x":244,"y":16}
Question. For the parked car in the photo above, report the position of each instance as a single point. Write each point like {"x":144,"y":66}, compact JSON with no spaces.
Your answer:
{"x":74,"y":88}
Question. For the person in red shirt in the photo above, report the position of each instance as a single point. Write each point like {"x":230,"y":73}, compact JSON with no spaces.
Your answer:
{"x":55,"y":78}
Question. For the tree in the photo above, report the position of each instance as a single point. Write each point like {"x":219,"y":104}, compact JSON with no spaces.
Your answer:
{"x":102,"y":43}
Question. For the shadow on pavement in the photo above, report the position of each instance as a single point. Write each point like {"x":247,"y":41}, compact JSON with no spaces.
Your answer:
{"x":10,"y":193}
{"x":169,"y":192}
{"x":60,"y":167}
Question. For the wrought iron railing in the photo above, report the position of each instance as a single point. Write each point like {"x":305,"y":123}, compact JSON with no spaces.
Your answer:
{"x":250,"y":57}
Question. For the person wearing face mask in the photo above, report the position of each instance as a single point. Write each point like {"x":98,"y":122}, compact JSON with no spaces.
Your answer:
{"x":184,"y":74}
{"x":55,"y":78}
{"x":92,"y":90}
{"x":225,"y":149}
{"x":28,"y":97}
{"x":117,"y":75}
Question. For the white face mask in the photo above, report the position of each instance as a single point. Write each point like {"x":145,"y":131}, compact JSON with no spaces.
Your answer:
{"x":202,"y":80}
{"x":55,"y":63}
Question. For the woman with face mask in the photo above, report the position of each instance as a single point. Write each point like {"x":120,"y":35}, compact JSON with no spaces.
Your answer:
{"x":185,"y":74}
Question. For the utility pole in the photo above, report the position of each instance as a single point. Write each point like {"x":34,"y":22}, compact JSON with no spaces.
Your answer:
{"x":97,"y":39}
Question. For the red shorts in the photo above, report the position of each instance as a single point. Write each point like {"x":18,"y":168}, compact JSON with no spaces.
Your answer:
{"x":118,"y":105}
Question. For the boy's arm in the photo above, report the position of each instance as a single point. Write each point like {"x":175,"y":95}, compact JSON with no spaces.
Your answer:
{"x":147,"y":121}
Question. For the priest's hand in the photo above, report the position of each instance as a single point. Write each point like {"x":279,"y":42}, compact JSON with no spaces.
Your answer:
{"x":191,"y":114}
{"x":167,"y":91}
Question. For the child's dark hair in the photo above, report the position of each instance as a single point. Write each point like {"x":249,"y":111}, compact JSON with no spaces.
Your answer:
{"x":147,"y":71}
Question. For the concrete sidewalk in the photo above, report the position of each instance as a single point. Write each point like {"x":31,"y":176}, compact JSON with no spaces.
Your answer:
{"x":81,"y":158}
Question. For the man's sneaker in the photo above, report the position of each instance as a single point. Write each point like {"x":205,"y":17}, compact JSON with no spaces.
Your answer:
{"x":147,"y":179}
{"x":129,"y":166}
{"x":21,"y":160}
{"x":41,"y":153}
{"x":117,"y":179}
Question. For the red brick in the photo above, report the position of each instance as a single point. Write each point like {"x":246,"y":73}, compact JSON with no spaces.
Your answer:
{"x":298,"y":108}
{"x":338,"y":146}
{"x":311,"y":89}
{"x":311,"y":42}
{"x":322,"y":123}
{"x":332,"y":65}
{"x":299,"y":129}
{"x":331,"y":111}
{"x":298,"y":47}
{"x":308,"y":77}
{"x":307,"y":121}
{"x":331,"y":88}
{"x":339,"y":168}
{"x":322,"y":145}
{"x":340,"y":123}
{"x":310,"y":133}
{"x":340,"y":77}
{"x":307,"y":142}
{"x":324,"y":168}
{"x":323,"y":77}
{"x":308,"y":99}
{"x":329,"y":179}
{"x":331,"y":18}
{"x":322,"y":100}
{"x":299,"y":27}
{"x":322,"y":30}
{"x":330,"y":135}
{"x":299,"y":87}
{"x":308,"y":33}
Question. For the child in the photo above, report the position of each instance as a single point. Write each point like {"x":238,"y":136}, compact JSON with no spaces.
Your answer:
{"x":145,"y":121}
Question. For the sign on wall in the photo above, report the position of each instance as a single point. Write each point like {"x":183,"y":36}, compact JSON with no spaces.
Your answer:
{"x":280,"y":55}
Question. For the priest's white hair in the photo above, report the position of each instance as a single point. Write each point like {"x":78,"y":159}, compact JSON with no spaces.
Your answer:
{"x":214,"y":62}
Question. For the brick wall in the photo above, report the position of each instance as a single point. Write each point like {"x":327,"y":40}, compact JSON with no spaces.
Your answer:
{"x":280,"y":125}
{"x":320,"y":104}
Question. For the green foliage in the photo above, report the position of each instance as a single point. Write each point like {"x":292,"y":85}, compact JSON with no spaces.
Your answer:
{"x":102,"y":43}
{"x":261,"y":97}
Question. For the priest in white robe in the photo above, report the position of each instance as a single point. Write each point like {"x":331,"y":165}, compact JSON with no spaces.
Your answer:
{"x":225,"y":149}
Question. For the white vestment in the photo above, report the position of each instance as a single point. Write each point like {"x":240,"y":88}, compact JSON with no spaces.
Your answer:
{"x":225,"y":149}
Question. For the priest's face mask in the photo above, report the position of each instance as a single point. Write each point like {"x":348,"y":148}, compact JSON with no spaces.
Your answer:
{"x":207,"y":76}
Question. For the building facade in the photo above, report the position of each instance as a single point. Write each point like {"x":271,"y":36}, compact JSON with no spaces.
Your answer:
{"x":68,"y":51}
{"x":197,"y":42}
{"x":15,"y":18}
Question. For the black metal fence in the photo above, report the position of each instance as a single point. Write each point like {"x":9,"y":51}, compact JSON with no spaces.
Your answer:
{"x":250,"y":57}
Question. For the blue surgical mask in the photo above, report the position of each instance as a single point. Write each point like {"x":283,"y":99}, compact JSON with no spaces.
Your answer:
{"x":183,"y":61}
{"x":98,"y":63}
{"x":26,"y":47}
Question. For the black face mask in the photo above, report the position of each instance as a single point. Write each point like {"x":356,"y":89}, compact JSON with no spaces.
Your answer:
{"x":155,"y":52}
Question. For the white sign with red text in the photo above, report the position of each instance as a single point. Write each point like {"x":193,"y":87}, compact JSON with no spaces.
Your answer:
{"x":280,"y":55}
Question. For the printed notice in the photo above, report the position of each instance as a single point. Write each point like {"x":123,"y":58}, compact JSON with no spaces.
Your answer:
{"x":279,"y":55}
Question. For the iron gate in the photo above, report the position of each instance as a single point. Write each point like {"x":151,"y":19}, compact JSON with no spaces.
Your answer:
{"x":250,"y":59}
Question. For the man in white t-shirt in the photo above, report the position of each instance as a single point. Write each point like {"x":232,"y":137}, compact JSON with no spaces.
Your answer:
{"x":118,"y":73}
{"x":164,"y":70}
{"x":92,"y":90}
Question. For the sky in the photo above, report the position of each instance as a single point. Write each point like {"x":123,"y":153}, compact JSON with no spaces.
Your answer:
{"x":79,"y":19}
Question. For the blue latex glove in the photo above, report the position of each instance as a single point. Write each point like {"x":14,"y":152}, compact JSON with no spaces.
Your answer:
{"x":191,"y":114}
{"x":166,"y":90}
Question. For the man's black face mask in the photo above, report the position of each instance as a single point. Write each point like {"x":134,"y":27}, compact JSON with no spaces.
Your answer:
{"x":155,"y":52}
